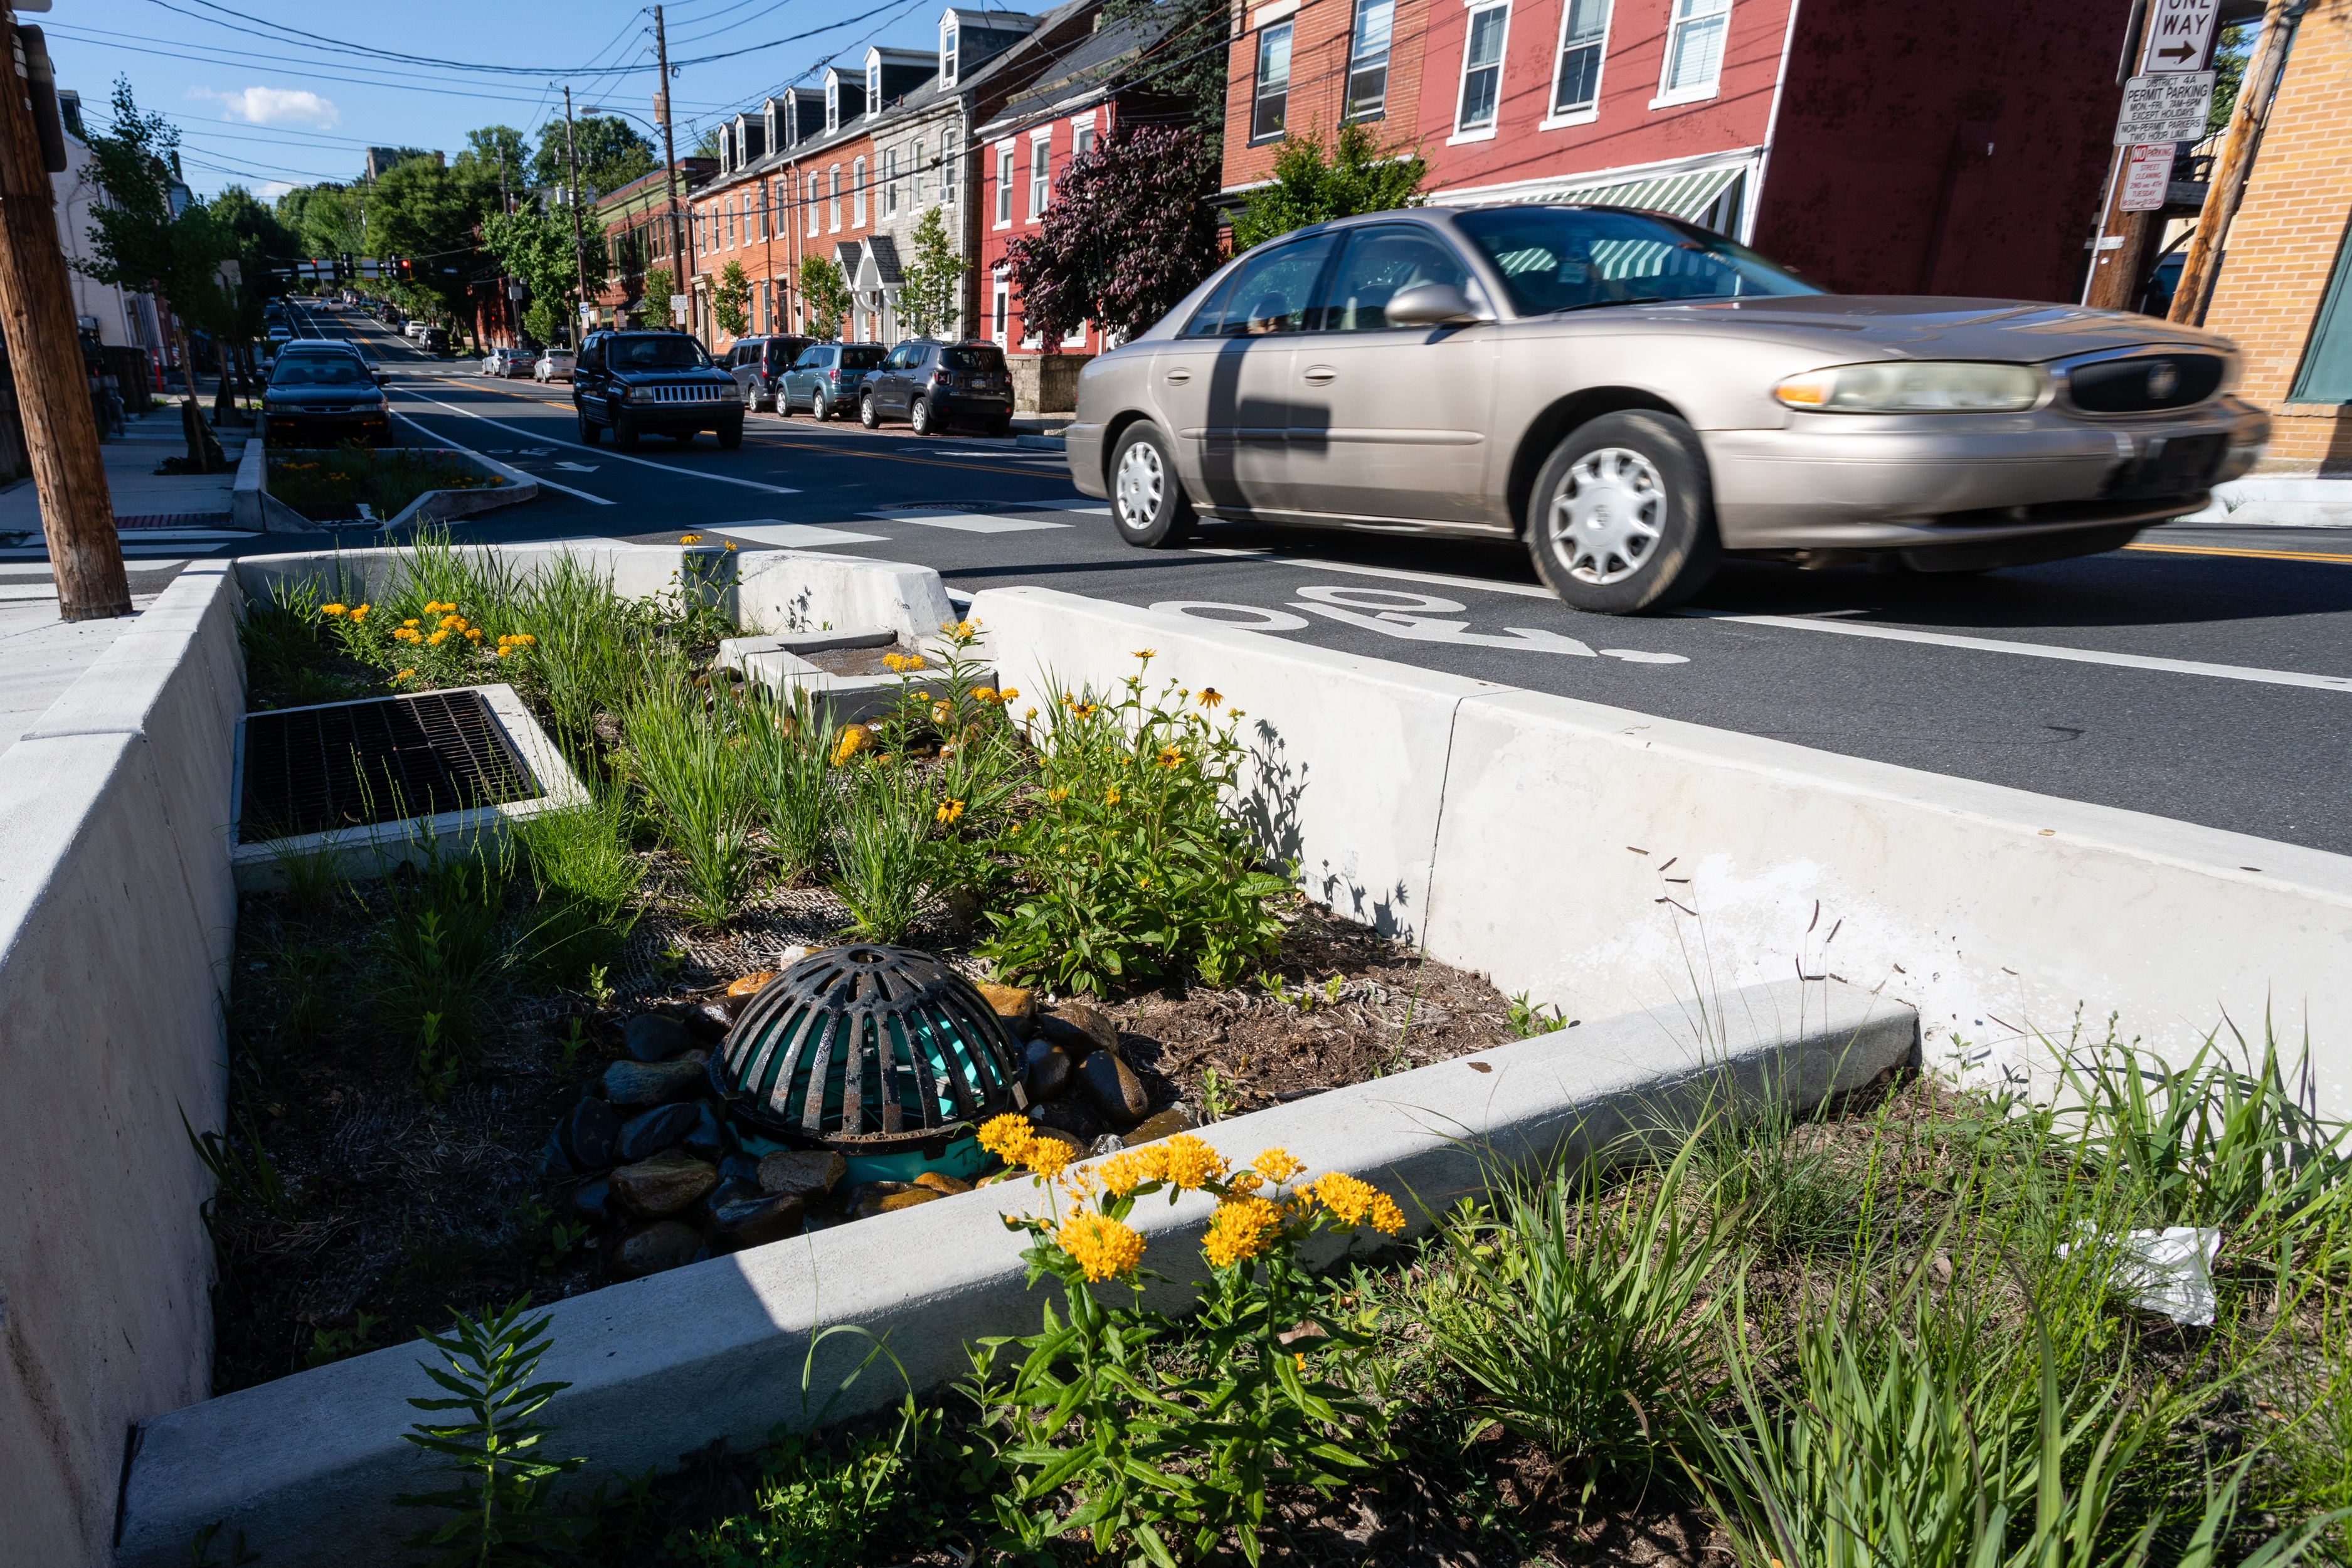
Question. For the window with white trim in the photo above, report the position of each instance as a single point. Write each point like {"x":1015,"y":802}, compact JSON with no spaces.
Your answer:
{"x":1000,"y":305}
{"x":1583,"y":37}
{"x":1368,"y":58}
{"x":947,"y":54}
{"x":950,"y":173}
{"x":813,"y":224}
{"x":731,"y":223}
{"x":1082,"y":136}
{"x":833,"y":197}
{"x":915,"y":175}
{"x":1041,"y":170}
{"x":858,"y":193}
{"x":1270,"y":95}
{"x":1004,"y":184}
{"x":890,"y":182}
{"x":832,"y":104}
{"x":1694,"y":49}
{"x":1482,"y":67}
{"x":873,"y":88}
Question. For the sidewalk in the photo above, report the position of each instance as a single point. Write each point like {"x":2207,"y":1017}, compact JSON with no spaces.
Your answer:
{"x":2281,"y":501}
{"x":143,"y":498}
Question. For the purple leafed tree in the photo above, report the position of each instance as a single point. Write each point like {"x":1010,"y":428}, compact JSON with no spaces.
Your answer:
{"x":1128,"y":233}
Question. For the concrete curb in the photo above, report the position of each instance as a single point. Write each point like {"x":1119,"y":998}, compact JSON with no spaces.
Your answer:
{"x":252,"y":497}
{"x":306,"y":1466}
{"x":1506,"y":830}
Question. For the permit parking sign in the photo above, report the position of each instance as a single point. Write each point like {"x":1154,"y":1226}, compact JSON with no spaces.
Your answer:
{"x":2168,"y":107}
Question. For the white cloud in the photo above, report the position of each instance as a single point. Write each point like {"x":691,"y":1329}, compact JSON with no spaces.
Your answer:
{"x":271,"y":190}
{"x":274,"y":106}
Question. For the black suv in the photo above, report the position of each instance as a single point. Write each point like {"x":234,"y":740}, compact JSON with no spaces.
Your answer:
{"x":935,"y":385}
{"x":757,"y":365}
{"x":636,"y":383}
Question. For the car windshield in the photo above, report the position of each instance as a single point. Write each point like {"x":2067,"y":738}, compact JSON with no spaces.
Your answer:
{"x":987,"y":361}
{"x":659,"y":350}
{"x":861,"y":357}
{"x":1572,"y":258}
{"x":319,"y":370}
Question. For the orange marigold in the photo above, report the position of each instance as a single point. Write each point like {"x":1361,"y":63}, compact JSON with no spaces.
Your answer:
{"x":1047,"y":1156}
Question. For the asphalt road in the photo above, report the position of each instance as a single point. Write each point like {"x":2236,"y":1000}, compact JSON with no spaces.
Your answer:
{"x":2203,"y":674}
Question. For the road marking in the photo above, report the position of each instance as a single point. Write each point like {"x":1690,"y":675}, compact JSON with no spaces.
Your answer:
{"x":550,"y":484}
{"x":616,"y":457}
{"x":793,"y":535}
{"x":969,"y":522}
{"x":1524,"y":590}
{"x":2039,"y":650}
{"x":2338,"y":560}
{"x":1262,"y":621}
{"x":580,"y":468}
{"x":1416,"y":620}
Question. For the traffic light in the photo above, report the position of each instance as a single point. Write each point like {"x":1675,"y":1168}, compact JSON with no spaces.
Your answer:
{"x":345,"y":271}
{"x":407,"y":269}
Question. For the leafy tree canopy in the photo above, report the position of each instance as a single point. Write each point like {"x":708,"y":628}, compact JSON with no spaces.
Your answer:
{"x":731,"y":299}
{"x":1126,"y":237}
{"x":536,"y":246}
{"x":825,"y":296}
{"x":140,"y":243}
{"x":707,"y":147}
{"x":609,"y":150}
{"x":486,"y":147}
{"x":426,"y":213}
{"x":931,"y":294}
{"x":1313,"y":184}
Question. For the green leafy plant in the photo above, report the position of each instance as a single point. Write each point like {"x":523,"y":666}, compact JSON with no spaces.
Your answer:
{"x":499,"y":1510}
{"x":1315,"y":184}
{"x":328,"y":486}
{"x":447,"y":952}
{"x":790,"y":751}
{"x":1131,"y":863}
{"x":587,"y":882}
{"x":334,"y":1344}
{"x":884,"y":855}
{"x":691,"y":769}
{"x":246,"y":1187}
{"x":1529,"y":1019}
{"x":825,"y":297}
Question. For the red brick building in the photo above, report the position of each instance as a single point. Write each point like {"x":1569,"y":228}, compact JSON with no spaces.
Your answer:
{"x":1932,"y":146}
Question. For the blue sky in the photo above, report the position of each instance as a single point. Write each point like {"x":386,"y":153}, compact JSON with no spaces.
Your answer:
{"x":278,"y":110}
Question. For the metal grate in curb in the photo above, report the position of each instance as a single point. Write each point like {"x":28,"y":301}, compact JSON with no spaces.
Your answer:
{"x":353,"y":764}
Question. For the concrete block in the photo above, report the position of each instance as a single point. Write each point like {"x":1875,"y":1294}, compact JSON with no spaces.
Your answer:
{"x":780,"y":591}
{"x":1605,"y":860}
{"x":1347,"y":754}
{"x":307,"y":1466}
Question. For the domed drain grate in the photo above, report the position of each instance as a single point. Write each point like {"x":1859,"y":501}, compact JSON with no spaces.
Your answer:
{"x":870,"y":1050}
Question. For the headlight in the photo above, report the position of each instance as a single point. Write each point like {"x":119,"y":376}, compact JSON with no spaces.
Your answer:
{"x":1913,"y":386}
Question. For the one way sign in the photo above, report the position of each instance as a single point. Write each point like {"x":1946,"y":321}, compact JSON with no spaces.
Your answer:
{"x":2179,"y":34}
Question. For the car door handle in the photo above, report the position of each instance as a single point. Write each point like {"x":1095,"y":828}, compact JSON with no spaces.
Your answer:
{"x":1179,"y":377}
{"x":1319,"y":376}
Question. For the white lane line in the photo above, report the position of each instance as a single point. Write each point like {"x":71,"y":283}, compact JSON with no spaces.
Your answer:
{"x":550,"y":484}
{"x":968,"y":521}
{"x":792,"y":535}
{"x":616,"y":457}
{"x":1524,"y":590}
{"x":2039,"y":650}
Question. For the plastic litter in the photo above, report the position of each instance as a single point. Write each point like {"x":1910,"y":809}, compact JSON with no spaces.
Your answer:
{"x":2168,"y":1272}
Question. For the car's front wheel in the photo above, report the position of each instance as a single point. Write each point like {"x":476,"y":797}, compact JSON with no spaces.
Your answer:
{"x":624,"y":434}
{"x":590,"y":431}
{"x":868,"y":415}
{"x":1621,"y":519}
{"x":730,"y":437}
{"x":1147,"y":501}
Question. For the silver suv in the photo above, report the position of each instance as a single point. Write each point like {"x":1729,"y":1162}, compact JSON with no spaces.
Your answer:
{"x":1634,"y":397}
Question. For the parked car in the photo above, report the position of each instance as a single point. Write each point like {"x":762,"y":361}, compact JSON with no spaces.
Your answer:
{"x":279,"y":335}
{"x":825,"y":378}
{"x":933,"y":384}
{"x":552,"y":365}
{"x":436,"y":341}
{"x":323,"y":400}
{"x":413,"y":330}
{"x":652,"y":382}
{"x":507,"y":363}
{"x":1635,"y":397}
{"x":757,"y":365}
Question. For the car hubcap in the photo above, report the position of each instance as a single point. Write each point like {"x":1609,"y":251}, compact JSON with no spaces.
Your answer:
{"x":1141,"y":483}
{"x":1607,"y":516}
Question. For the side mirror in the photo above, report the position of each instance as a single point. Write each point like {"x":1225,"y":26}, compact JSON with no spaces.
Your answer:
{"x":1431,"y":305}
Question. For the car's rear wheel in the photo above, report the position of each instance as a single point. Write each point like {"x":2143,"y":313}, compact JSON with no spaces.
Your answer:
{"x":1147,"y":501}
{"x":819,"y":409}
{"x":918,"y":414}
{"x":590,"y":431}
{"x":1622,"y":517}
{"x":868,"y":415}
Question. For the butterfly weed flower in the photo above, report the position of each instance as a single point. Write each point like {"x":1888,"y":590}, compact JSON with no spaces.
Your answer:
{"x":1104,"y":1247}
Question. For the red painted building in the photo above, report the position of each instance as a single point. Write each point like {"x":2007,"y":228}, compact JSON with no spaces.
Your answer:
{"x":1929,"y":146}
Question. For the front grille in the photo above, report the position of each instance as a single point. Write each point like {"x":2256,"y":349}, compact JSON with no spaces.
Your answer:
{"x":2144,"y":384}
{"x":351,"y":764}
{"x":2171,"y":466}
{"x":679,"y":394}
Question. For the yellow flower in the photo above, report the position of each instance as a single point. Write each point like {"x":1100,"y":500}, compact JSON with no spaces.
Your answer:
{"x":1146,"y":652}
{"x":1047,"y":1156}
{"x":1240,"y":1229}
{"x":526,"y":640}
{"x":689,"y":539}
{"x":335,"y":610}
{"x":438,"y":638}
{"x":403,"y":675}
{"x":1131,"y":1168}
{"x":1056,"y":796}
{"x":852,"y":742}
{"x":983,"y":694}
{"x":731,"y":544}
{"x":1110,"y":796}
{"x":1006,"y":1136}
{"x":410,"y":622}
{"x":453,"y":623}
{"x":504,"y":651}
{"x":1085,"y":710}
{"x":1170,"y":756}
{"x":1031,"y":713}
{"x":1015,"y":828}
{"x":1211,"y":697}
{"x":473,"y":634}
{"x":1276,"y":1165}
{"x":1188,"y":1162}
{"x":1007,"y":693}
{"x":1104,"y":1249}
{"x":1353,"y":1201}
{"x":949,"y":811}
{"x":360,"y":614}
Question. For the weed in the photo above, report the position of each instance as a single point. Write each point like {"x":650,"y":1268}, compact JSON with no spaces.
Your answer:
{"x":1531,"y":1019}
{"x":1214,"y":1106}
{"x":334,"y":1344}
{"x":587,"y":882}
{"x":499,"y":1511}
{"x":884,"y":855}
{"x":246,"y":1184}
{"x":790,"y":749}
{"x":692,"y":772}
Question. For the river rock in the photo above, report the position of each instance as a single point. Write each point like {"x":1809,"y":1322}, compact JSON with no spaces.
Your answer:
{"x":749,"y":985}
{"x":653,"y":1036}
{"x":759,"y":1219}
{"x":588,"y":1133}
{"x":802,"y":1172}
{"x":654,"y":1083}
{"x":1113,"y":1088}
{"x":739,"y":1168}
{"x":647,"y":1134}
{"x":1048,"y":1069}
{"x":709,"y":1021}
{"x":592,"y":1200}
{"x":887,"y":1197}
{"x":706,"y":1139}
{"x":649,"y":1249}
{"x":1091,"y":1019}
{"x":1161,"y":1124}
{"x":938,"y":1183}
{"x":1075,"y":1041}
{"x":1016,"y":1006}
{"x":1072,"y":1117}
{"x":664,"y":1184}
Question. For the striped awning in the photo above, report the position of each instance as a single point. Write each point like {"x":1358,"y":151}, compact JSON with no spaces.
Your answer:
{"x":1686,"y":195}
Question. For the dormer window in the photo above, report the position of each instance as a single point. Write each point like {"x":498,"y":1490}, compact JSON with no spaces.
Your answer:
{"x":948,"y":54}
{"x":832,"y":104}
{"x":873,"y":85}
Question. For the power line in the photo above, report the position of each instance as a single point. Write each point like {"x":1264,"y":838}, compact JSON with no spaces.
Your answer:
{"x":370,"y":51}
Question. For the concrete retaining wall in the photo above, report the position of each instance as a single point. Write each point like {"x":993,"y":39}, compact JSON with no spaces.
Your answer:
{"x":1997,"y":912}
{"x":117,"y":918}
{"x":307,"y":1466}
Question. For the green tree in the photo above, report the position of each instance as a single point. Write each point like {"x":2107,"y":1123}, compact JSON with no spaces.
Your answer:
{"x":536,"y":246}
{"x":427,"y":214}
{"x":1313,"y":185}
{"x":731,"y":301}
{"x":654,"y":297}
{"x":611,"y":153}
{"x":930,"y":296}
{"x":323,"y":219}
{"x":825,"y":297}
{"x":263,"y":246}
{"x":707,"y":145}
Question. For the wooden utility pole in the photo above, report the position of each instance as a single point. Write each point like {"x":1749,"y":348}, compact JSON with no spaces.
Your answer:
{"x":2235,"y":161}
{"x":52,"y":386}
{"x":579,"y":238}
{"x":669,"y":163}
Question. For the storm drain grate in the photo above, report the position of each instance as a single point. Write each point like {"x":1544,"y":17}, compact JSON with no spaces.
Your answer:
{"x":353,"y":764}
